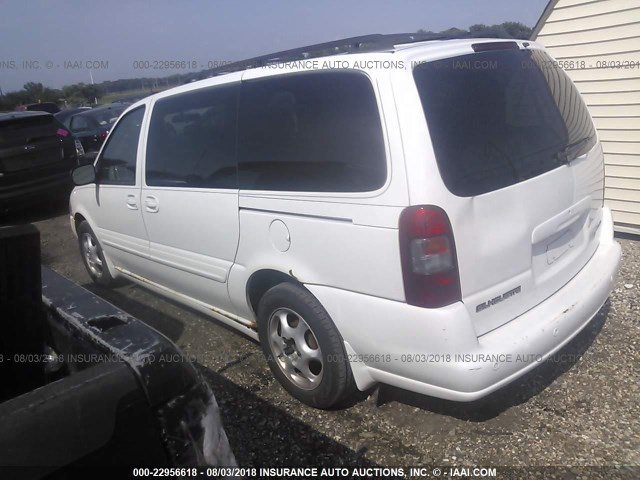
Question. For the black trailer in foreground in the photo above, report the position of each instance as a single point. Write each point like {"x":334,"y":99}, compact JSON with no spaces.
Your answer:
{"x":82,"y":383}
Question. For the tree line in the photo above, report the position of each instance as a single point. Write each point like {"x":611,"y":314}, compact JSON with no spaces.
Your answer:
{"x":515,"y":30}
{"x":81,"y":94}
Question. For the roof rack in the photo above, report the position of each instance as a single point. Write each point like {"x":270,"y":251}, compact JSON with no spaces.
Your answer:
{"x":366,"y":43}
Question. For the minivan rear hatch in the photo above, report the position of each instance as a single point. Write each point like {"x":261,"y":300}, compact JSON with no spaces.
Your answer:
{"x":515,"y":145}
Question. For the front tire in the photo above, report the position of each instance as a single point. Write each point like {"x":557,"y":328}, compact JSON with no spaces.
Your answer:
{"x":93,"y":256}
{"x":303,"y":348}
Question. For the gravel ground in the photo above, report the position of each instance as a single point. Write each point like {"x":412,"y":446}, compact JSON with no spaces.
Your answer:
{"x":582,"y":409}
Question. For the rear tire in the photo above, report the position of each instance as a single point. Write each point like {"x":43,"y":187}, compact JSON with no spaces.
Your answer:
{"x":93,"y":256}
{"x":303,"y":348}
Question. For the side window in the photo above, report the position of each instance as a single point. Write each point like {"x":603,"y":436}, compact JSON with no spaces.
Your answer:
{"x":192,"y":140}
{"x":117,"y":164}
{"x":313,"y":131}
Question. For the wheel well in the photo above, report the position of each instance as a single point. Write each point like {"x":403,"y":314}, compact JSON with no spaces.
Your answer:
{"x":263,"y":280}
{"x":78,"y":219}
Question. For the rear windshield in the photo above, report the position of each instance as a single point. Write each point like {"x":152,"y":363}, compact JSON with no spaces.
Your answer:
{"x":21,"y":131}
{"x":501,"y":117}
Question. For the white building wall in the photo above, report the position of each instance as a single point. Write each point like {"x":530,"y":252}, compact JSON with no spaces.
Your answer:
{"x":598,"y":45}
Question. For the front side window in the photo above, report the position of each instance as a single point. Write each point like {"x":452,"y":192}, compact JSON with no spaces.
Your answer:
{"x":117,"y":164}
{"x":501,"y":117}
{"x":192,"y":140}
{"x":311,"y":132}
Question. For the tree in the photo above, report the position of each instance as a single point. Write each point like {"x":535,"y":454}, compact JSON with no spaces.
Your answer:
{"x":502,"y":30}
{"x":33,"y":90}
{"x":90,"y":92}
{"x":518,"y":30}
{"x":491,"y":31}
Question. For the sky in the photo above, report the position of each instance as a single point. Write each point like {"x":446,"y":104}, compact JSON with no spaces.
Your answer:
{"x":70,"y":41}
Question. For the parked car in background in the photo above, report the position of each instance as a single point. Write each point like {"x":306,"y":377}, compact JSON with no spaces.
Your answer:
{"x":92,"y":126}
{"x":438,"y":225}
{"x":62,"y":115}
{"x":37,"y":154}
{"x":48,"y":107}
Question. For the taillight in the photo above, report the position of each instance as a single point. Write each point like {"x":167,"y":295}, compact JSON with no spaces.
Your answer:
{"x":103,"y":135}
{"x":428,"y":255}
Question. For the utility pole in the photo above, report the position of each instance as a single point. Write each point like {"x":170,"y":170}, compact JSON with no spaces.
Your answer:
{"x":95,"y":99}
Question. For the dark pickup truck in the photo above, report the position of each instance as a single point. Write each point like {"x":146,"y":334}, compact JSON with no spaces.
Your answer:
{"x":83,"y":384}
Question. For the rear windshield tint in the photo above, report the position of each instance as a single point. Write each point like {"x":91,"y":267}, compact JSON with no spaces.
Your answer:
{"x":24,"y":130}
{"x":501,"y":117}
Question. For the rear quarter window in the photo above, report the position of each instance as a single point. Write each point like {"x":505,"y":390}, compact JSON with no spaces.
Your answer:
{"x":311,"y":132}
{"x":498,"y":118}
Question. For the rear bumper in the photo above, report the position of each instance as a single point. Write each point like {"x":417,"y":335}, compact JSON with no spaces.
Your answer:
{"x":436,"y":352}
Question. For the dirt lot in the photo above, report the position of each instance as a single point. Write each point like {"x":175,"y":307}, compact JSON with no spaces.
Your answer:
{"x":581,"y":409}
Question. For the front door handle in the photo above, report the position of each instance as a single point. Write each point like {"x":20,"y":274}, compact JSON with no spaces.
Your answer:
{"x":151,"y":204}
{"x":132,"y":202}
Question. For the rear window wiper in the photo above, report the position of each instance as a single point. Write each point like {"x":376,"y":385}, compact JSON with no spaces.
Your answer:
{"x":565,"y":154}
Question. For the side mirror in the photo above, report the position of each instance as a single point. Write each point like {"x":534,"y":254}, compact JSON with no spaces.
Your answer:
{"x":89,"y":157}
{"x":84,"y":175}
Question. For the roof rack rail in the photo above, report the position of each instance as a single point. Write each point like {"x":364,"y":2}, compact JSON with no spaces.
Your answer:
{"x":365,"y":43}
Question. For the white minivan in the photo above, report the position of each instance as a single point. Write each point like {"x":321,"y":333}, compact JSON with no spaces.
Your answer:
{"x":426,"y":214}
